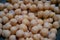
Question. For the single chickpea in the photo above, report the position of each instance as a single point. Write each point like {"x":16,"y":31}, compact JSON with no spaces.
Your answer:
{"x":7,"y":26}
{"x":27,"y":34}
{"x":36,"y":1}
{"x":28,"y":5}
{"x":29,"y":38}
{"x":14,"y":1}
{"x":12,"y":37}
{"x":56,"y":24}
{"x":16,"y":6}
{"x":26,"y":1}
{"x":6,"y":33}
{"x":53,"y":1}
{"x":12,"y":12}
{"x":45,"y":39}
{"x":44,"y":32}
{"x":52,"y":6}
{"x":5,"y":10}
{"x":52,"y":36}
{"x":13,"y":30}
{"x":20,"y":33}
{"x":1,"y":26}
{"x":1,"y":6}
{"x":13,"y":21}
{"x":40,"y":14}
{"x":26,"y":16}
{"x":18,"y":11}
{"x":40,"y":2}
{"x":21,"y":39}
{"x":26,"y":21}
{"x":23,"y":7}
{"x":1,"y":32}
{"x":24,"y":12}
{"x":20,"y":2}
{"x":52,"y":14}
{"x":37,"y":36}
{"x":53,"y":30}
{"x":5,"y":19}
{"x":0,"y":20}
{"x":10,"y":7}
{"x":9,"y":15}
{"x":43,"y":0}
{"x":23,"y":27}
{"x":2,"y":14}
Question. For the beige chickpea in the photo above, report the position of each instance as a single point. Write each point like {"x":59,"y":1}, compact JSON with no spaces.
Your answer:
{"x":23,"y":7}
{"x":29,"y":38}
{"x":34,"y":22}
{"x":23,"y":27}
{"x":52,"y":6}
{"x":2,"y":14}
{"x":5,"y":10}
{"x":16,"y":6}
{"x":40,"y":14}
{"x":40,"y":6}
{"x":37,"y":36}
{"x":18,"y":11}
{"x":27,"y":34}
{"x":9,"y":15}
{"x":14,"y":1}
{"x":36,"y":1}
{"x":5,"y":19}
{"x":24,"y":12}
{"x":40,"y":2}
{"x":28,"y":5}
{"x":53,"y":1}
{"x":47,"y":25}
{"x":7,"y":26}
{"x":52,"y":14}
{"x":56,"y":24}
{"x":26,"y":16}
{"x":1,"y":6}
{"x":20,"y":33}
{"x":26,"y":1}
{"x":6,"y":33}
{"x":43,"y":0}
{"x":25,"y":21}
{"x":53,"y":30}
{"x":1,"y":32}
{"x":13,"y":30}
{"x":10,"y":7}
{"x":33,"y":8}
{"x":44,"y":32}
{"x":56,"y":9}
{"x":20,"y":2}
{"x":0,"y":20}
{"x":12,"y":37}
{"x":52,"y":36}
{"x":21,"y":39}
{"x":13,"y":21}
{"x":1,"y":26}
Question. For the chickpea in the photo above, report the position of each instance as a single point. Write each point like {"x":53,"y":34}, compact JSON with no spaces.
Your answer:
{"x":40,"y":2}
{"x":12,"y":12}
{"x":7,"y":26}
{"x":13,"y":21}
{"x":12,"y":37}
{"x":5,"y":19}
{"x":36,"y":36}
{"x":14,"y":1}
{"x":25,"y":21}
{"x":23,"y":27}
{"x":24,"y":12}
{"x":53,"y":1}
{"x":52,"y":14}
{"x":44,"y":32}
{"x":36,"y":1}
{"x":56,"y":24}
{"x":9,"y":15}
{"x":2,"y":14}
{"x":1,"y":32}
{"x":26,"y":16}
{"x":13,"y":30}
{"x":6,"y":33}
{"x":16,"y":6}
{"x":26,"y":1}
{"x":19,"y":33}
{"x":43,"y":0}
{"x":20,"y":2}
{"x":1,"y":26}
{"x":40,"y":14}
{"x":28,"y":5}
{"x":52,"y":6}
{"x":21,"y":39}
{"x":0,"y":20}
{"x":18,"y":11}
{"x":29,"y":38}
{"x":1,"y":6}
{"x":5,"y":10}
{"x":53,"y":30}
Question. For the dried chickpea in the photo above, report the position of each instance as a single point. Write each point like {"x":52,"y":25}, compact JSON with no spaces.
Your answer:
{"x":21,"y":39}
{"x":20,"y":2}
{"x":1,"y":32}
{"x":23,"y":27}
{"x":20,"y":33}
{"x":53,"y":1}
{"x":18,"y":11}
{"x":25,"y":21}
{"x":52,"y":6}
{"x":13,"y":21}
{"x":7,"y":26}
{"x":36,"y":1}
{"x":26,"y":1}
{"x":14,"y":1}
{"x":28,"y":5}
{"x":56,"y":24}
{"x":12,"y":12}
{"x":29,"y":38}
{"x":43,"y":0}
{"x":45,"y":39}
{"x":1,"y":6}
{"x":9,"y":15}
{"x":44,"y":32}
{"x":24,"y":12}
{"x":52,"y":14}
{"x":12,"y":37}
{"x":1,"y":26}
{"x":37,"y":36}
{"x":40,"y":2}
{"x":6,"y":33}
{"x":53,"y":30}
{"x":13,"y":30}
{"x":16,"y":6}
{"x":6,"y":10}
{"x":5,"y":19}
{"x":2,"y":14}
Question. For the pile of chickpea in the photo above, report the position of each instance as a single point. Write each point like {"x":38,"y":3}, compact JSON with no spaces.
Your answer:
{"x":29,"y":20}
